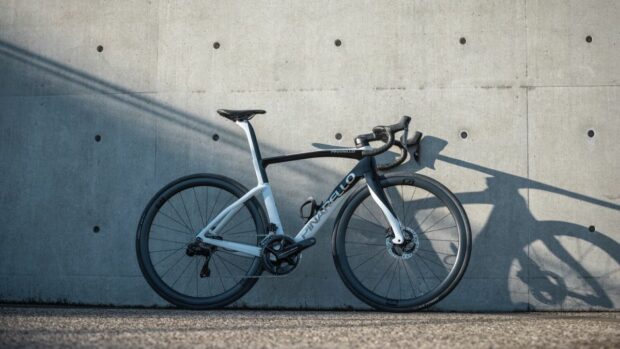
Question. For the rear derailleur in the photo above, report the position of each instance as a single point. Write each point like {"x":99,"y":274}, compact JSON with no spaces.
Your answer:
{"x":199,"y":248}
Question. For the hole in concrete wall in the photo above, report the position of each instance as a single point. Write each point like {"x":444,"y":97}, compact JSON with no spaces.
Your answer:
{"x":588,"y":38}
{"x":462,"y":40}
{"x":591,"y":133}
{"x":96,"y":229}
{"x":97,"y":138}
{"x":216,"y":137}
{"x":592,"y":228}
{"x":464,"y":134}
{"x":216,"y":45}
{"x":337,"y":42}
{"x":338,"y":136}
{"x":99,"y":48}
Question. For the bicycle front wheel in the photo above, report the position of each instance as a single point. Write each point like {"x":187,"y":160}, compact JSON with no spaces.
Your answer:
{"x":169,"y":225}
{"x":413,"y":275}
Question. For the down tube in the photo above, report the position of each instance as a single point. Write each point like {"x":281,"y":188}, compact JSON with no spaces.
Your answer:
{"x":330,"y":205}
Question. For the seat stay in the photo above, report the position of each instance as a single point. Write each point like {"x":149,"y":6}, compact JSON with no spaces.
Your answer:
{"x":224,"y":216}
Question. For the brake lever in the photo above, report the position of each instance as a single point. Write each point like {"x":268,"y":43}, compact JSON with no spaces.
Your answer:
{"x":413,"y":144}
{"x":399,"y":160}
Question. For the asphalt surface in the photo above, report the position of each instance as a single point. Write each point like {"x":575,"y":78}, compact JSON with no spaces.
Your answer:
{"x":63,"y":327}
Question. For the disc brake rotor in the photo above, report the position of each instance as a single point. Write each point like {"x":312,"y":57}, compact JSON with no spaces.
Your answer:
{"x":407,"y":248}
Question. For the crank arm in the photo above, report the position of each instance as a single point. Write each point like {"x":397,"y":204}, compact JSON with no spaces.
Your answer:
{"x":296,"y":248}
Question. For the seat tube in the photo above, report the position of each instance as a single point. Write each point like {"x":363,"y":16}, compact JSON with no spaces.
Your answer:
{"x":261,"y":175}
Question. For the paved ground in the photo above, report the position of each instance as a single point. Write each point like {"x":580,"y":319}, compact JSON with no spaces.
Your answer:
{"x":60,"y":327}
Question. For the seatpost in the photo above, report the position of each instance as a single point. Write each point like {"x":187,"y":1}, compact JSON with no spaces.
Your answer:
{"x":257,"y":160}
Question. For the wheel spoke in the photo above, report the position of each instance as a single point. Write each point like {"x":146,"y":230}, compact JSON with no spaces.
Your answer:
{"x":430,"y":251}
{"x":178,"y":215}
{"x":438,"y":229}
{"x":421,"y":275}
{"x":199,"y":209}
{"x":168,"y":228}
{"x":372,"y":214}
{"x":167,"y":256}
{"x":428,"y":193}
{"x":365,"y":230}
{"x":171,"y":249}
{"x":384,"y":273}
{"x":375,"y":224}
{"x":219,"y":275}
{"x":183,"y":272}
{"x":442,"y":218}
{"x":406,"y":268}
{"x":233,"y":264}
{"x":364,"y":243}
{"x":173,"y":241}
{"x":228,"y":270}
{"x":173,"y":265}
{"x":217,"y":197}
{"x":403,"y":204}
{"x":174,"y":220}
{"x":427,"y":267}
{"x":367,"y":260}
{"x":186,"y":212}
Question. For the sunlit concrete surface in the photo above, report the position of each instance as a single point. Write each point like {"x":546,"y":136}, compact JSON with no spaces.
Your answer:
{"x":148,"y":328}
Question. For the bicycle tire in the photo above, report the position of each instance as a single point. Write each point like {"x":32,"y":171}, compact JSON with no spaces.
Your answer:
{"x":355,"y":283}
{"x":144,"y":240}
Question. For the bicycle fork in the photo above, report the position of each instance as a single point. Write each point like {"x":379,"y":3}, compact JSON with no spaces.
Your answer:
{"x":378,"y":195}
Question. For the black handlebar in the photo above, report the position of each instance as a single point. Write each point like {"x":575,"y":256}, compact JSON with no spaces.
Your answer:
{"x":380,"y":134}
{"x":386,"y":135}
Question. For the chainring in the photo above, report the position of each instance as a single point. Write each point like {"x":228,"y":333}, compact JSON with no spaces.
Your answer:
{"x":271,"y":246}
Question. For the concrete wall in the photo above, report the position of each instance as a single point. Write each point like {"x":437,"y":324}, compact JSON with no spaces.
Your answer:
{"x":526,"y":86}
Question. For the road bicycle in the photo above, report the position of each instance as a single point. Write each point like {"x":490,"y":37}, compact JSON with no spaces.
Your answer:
{"x":401,"y":242}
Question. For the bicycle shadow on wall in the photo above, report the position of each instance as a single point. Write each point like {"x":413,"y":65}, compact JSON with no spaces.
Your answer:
{"x":54,"y":78}
{"x":514,"y":247}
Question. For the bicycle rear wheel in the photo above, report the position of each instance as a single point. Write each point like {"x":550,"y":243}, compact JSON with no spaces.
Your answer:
{"x":169,"y":225}
{"x":413,"y":275}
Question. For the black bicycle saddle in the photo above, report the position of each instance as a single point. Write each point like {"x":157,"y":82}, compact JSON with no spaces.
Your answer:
{"x":239,"y":115}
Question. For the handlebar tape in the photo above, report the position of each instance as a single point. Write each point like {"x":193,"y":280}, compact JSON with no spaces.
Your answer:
{"x":386,"y":134}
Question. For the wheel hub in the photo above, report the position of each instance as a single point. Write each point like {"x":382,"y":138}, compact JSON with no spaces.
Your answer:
{"x":407,"y":248}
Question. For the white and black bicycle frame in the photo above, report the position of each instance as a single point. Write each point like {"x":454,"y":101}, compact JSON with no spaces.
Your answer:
{"x":366,"y":168}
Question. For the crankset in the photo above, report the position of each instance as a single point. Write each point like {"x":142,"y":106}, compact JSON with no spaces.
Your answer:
{"x":281,"y":253}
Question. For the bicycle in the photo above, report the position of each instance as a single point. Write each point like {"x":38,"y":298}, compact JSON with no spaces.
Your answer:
{"x":204,"y":240}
